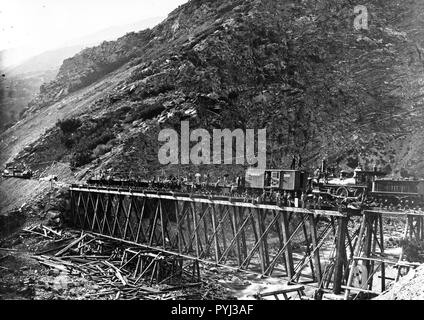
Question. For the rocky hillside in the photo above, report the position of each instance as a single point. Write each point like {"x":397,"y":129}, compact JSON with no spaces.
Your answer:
{"x":299,"y":68}
{"x":410,"y":287}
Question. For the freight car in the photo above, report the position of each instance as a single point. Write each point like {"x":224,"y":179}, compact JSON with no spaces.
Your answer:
{"x":397,"y":194}
{"x":293,"y":181}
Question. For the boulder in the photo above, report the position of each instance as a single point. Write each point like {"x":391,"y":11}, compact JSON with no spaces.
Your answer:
{"x":53,"y":214}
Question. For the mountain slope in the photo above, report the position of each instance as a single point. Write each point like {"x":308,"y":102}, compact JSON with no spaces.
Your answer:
{"x":22,"y":82}
{"x":298,"y":68}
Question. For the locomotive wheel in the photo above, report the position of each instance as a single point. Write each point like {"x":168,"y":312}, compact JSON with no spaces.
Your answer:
{"x":370,"y":200}
{"x":358,"y":192}
{"x":395,"y":202}
{"x":342,"y":192}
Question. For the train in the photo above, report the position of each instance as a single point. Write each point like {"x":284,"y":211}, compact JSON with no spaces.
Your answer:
{"x":376,"y":189}
{"x":294,"y":187}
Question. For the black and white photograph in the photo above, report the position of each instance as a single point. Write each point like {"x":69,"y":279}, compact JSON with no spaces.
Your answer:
{"x":195,"y":151}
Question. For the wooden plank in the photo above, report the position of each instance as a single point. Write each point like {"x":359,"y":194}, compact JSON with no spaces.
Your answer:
{"x":196,"y":234}
{"x":340,"y":255}
{"x":179,"y":231}
{"x":265,"y":232}
{"x":243,"y":235}
{"x":391,"y":262}
{"x":259,"y":243}
{"x":359,"y":290}
{"x":236,"y":235}
{"x":405,"y":233}
{"x":357,"y":251}
{"x":217,"y":251}
{"x":317,"y":261}
{"x":162,"y":224}
{"x":223,"y":235}
{"x":285,"y":289}
{"x":308,"y":250}
{"x":206,"y":210}
{"x":73,"y":243}
{"x":288,"y":252}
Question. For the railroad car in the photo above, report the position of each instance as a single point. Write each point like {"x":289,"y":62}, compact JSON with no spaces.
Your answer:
{"x":407,"y":194}
{"x":376,"y":190}
{"x":13,"y":172}
{"x":276,"y":179}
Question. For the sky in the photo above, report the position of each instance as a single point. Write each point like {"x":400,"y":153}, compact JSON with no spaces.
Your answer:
{"x":35,"y":26}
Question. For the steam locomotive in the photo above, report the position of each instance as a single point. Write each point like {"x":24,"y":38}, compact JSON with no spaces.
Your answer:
{"x":375,"y":189}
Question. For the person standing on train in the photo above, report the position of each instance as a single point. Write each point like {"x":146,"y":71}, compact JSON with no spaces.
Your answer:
{"x":197,"y":177}
{"x":293,"y":163}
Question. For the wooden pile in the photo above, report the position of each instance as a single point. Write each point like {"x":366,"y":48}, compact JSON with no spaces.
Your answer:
{"x":42,"y":230}
{"x":111,"y":267}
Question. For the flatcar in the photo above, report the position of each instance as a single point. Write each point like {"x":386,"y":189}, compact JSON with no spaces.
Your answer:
{"x":114,"y":182}
{"x":254,"y":183}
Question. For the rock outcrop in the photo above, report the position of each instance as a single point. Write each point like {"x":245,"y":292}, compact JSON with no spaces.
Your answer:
{"x":410,"y":287}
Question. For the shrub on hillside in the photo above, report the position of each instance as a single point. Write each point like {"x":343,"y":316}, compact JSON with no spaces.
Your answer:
{"x":81,"y":158}
{"x":101,"y":149}
{"x":69,"y":126}
{"x":144,"y":112}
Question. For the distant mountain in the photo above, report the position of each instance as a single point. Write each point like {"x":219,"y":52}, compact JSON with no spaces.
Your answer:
{"x":52,"y":59}
{"x":20,"y":84}
{"x":47,"y":61}
{"x":114,"y":32}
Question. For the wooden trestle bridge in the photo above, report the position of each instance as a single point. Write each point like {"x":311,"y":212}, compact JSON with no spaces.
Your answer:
{"x":335,"y":251}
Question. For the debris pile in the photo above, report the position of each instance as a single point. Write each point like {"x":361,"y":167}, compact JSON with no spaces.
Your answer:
{"x":115,"y":270}
{"x":410,"y":287}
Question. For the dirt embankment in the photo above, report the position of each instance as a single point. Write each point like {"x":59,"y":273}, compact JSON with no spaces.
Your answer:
{"x":410,"y":287}
{"x":17,"y":193}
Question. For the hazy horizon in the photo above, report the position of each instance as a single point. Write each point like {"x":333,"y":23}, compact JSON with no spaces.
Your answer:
{"x":30,"y":27}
